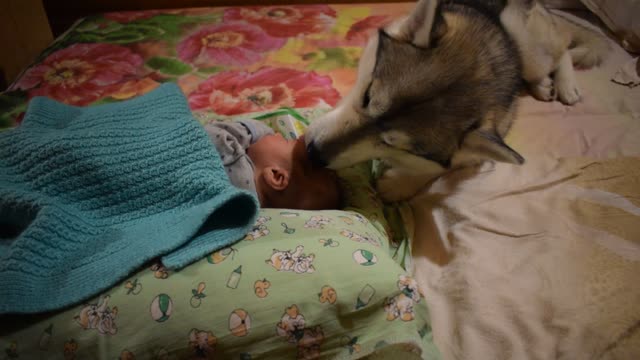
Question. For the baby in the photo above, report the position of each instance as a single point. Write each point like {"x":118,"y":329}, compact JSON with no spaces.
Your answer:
{"x":277,"y":170}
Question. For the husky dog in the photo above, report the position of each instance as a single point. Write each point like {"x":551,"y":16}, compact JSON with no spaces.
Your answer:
{"x":438,"y":89}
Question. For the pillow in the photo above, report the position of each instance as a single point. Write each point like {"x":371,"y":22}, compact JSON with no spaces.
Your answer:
{"x":301,"y":284}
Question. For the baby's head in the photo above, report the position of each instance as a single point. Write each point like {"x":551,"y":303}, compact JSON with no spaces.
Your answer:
{"x":285,"y":178}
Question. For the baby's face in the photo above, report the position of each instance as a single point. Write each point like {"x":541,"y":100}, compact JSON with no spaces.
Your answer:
{"x":317,"y":184}
{"x":275,"y":148}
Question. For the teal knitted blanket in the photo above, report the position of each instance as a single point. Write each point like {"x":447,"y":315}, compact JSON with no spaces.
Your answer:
{"x":88,"y":195}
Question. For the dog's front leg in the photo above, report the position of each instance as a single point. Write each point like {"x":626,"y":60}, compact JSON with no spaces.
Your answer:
{"x":565,"y":81}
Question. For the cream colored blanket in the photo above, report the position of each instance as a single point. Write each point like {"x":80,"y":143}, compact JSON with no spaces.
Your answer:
{"x":534,"y":262}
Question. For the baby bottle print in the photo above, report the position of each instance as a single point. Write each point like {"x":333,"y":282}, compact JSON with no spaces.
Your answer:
{"x":365,"y":296}
{"x":234,"y":278}
{"x":45,"y":338}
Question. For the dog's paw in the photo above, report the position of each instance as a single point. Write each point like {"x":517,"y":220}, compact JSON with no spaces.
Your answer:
{"x":568,"y":93}
{"x":544,"y":90}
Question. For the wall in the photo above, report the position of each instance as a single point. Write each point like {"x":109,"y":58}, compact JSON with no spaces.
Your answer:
{"x":24,"y":33}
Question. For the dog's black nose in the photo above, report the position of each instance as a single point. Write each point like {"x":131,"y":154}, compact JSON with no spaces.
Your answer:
{"x":314,"y":155}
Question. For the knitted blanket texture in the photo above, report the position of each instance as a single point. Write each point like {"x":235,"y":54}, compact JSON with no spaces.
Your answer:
{"x":89,"y":195}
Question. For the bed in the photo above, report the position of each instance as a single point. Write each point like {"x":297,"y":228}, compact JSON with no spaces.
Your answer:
{"x":359,"y":294}
{"x":348,"y":296}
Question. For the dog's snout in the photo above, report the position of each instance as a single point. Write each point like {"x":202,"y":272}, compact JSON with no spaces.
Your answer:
{"x":314,"y":155}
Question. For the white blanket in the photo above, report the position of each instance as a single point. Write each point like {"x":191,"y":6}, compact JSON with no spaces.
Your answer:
{"x":534,"y":262}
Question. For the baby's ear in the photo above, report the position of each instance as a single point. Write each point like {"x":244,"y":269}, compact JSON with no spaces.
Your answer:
{"x":276,"y":177}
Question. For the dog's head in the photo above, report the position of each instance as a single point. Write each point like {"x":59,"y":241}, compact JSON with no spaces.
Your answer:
{"x":439,"y":84}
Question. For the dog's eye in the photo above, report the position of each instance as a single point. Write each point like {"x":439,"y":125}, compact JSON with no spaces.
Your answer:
{"x":366,"y":99}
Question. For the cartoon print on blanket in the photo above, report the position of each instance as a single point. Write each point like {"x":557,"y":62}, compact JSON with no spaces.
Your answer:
{"x":221,"y":255}
{"x":365,"y":257}
{"x":203,"y":343}
{"x":12,"y":350}
{"x":234,"y":278}
{"x":127,"y":355}
{"x":260,"y":288}
{"x":98,"y":316}
{"x":351,"y":343}
{"x":239,"y":322}
{"x":401,"y":305}
{"x":365,"y":296}
{"x":197,"y":295}
{"x":198,"y":303}
{"x":292,"y":326}
{"x":287,"y":229}
{"x":361,"y":218}
{"x":317,"y":222}
{"x":159,"y":271}
{"x":295,"y":261}
{"x":45,"y":338}
{"x":161,"y":308}
{"x":259,"y":228}
{"x":349,"y":219}
{"x":329,"y":242}
{"x":69,"y":350}
{"x":328,"y":294}
{"x":134,"y":287}
{"x":367,"y":238}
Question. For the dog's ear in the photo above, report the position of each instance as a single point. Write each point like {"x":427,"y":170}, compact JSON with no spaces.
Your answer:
{"x":424,"y":25}
{"x":482,"y":144}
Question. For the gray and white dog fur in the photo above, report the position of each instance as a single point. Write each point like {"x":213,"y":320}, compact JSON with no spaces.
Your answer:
{"x":438,"y":89}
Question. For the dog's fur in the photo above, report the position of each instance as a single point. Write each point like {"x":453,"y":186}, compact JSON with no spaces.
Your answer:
{"x":438,"y":89}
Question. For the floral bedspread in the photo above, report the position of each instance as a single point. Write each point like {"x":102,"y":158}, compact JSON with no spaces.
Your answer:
{"x":228,"y":61}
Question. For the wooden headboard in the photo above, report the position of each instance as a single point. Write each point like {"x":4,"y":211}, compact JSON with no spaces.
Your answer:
{"x":62,"y":14}
{"x":24,"y":32}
